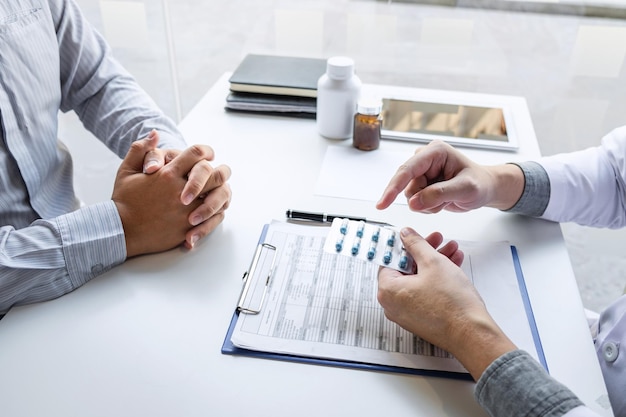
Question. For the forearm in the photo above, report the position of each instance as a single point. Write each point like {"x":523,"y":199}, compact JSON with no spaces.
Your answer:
{"x":515,"y":385}
{"x":122,"y":112}
{"x":477,"y":341}
{"x":104,"y":95}
{"x":589,"y":186}
{"x":510,"y":383}
{"x":53,"y":257}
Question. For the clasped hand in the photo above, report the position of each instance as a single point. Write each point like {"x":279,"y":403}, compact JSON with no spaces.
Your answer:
{"x":169,"y":197}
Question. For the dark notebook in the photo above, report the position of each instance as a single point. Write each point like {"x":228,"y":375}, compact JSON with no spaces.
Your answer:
{"x":270,"y":102}
{"x":281,"y":75}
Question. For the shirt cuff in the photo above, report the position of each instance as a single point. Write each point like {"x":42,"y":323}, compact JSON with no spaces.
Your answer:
{"x":93,"y":241}
{"x":536,"y":194}
{"x":515,"y":385}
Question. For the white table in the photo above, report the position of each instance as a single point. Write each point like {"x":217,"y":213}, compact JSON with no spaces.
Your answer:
{"x":144,"y":339}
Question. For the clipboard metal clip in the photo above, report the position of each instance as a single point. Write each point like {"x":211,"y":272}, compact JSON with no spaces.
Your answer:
{"x":258,"y":267}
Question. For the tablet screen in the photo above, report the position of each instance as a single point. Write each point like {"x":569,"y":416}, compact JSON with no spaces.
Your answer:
{"x":414,"y":120}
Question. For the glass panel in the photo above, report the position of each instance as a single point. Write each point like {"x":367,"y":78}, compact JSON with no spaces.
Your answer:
{"x":570,"y":68}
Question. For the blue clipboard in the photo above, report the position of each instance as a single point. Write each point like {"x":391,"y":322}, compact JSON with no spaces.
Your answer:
{"x":228,"y":348}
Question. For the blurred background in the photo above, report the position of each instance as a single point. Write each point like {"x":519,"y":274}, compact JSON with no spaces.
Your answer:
{"x":566,"y":59}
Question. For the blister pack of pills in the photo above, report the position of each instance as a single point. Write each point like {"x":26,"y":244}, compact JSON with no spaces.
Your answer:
{"x":370,"y":242}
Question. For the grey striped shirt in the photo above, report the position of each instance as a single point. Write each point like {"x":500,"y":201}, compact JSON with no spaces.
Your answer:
{"x":52,"y":59}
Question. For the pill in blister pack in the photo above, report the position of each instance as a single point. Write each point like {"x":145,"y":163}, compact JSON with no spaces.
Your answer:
{"x":370,"y":242}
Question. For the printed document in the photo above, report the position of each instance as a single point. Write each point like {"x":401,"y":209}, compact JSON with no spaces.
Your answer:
{"x":323,"y":305}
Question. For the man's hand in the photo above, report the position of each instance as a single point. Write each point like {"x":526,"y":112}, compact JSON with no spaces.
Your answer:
{"x":153,"y":216}
{"x":203,"y":181}
{"x":207,"y":184}
{"x":155,"y":158}
{"x":440,"y":304}
{"x":438,"y":177}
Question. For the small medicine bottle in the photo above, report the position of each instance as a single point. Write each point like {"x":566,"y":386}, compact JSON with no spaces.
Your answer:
{"x":337,"y":93}
{"x":367,"y":124}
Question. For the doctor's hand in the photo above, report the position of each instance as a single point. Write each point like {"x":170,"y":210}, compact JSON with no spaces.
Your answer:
{"x":439,"y":177}
{"x":440,"y":305}
{"x":204,"y":182}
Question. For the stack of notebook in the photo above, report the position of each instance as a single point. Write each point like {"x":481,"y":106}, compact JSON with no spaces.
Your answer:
{"x":276,"y":85}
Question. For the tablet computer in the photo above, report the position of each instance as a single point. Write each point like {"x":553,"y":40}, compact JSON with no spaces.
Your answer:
{"x":475,"y":124}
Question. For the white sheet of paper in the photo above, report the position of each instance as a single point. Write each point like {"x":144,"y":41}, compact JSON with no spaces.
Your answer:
{"x":324,"y":305}
{"x":347,"y":172}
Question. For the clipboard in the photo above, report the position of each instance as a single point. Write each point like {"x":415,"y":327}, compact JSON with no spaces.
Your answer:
{"x":260,"y":272}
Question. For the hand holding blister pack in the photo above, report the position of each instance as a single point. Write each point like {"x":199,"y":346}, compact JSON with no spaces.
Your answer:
{"x":369,"y":242}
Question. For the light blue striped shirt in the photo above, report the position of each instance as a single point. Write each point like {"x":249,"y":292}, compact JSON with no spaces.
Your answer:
{"x":52,"y":59}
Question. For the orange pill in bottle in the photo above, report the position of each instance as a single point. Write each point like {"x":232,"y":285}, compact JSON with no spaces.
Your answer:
{"x":367,"y":124}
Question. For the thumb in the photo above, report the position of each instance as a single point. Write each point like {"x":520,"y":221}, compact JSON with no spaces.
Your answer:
{"x":415,"y":244}
{"x":439,"y":194}
{"x":134,"y":159}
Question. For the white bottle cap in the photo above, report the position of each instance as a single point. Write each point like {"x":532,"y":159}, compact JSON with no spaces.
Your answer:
{"x":369,"y":106}
{"x":340,"y":67}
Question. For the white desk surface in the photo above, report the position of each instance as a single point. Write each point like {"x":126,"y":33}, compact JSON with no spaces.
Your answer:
{"x":145,"y":338}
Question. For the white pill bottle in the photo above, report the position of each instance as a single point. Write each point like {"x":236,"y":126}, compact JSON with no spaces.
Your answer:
{"x":337,"y":94}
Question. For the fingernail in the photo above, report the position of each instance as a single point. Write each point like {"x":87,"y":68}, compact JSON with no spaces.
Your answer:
{"x":152,"y":134}
{"x":196,"y":220}
{"x":149,"y":165}
{"x":194,"y":239}
{"x":188,"y":198}
{"x":406,"y":232}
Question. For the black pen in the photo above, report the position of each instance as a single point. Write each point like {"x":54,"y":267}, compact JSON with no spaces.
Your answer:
{"x":325,"y":218}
